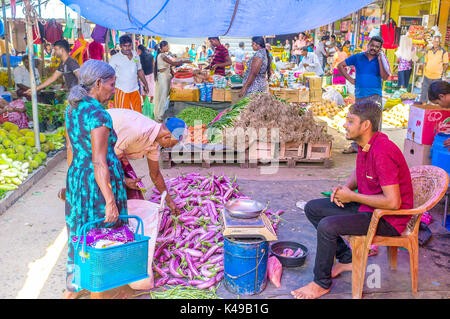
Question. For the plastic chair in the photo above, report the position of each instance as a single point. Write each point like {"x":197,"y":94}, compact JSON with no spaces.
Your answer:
{"x":430,"y":184}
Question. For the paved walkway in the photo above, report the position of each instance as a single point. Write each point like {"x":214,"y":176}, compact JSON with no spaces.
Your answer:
{"x":33,"y":237}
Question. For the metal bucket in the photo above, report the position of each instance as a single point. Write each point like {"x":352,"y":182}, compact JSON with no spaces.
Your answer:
{"x":245,"y":265}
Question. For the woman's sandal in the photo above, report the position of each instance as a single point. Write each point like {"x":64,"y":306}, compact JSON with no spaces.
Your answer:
{"x":62,"y":194}
{"x":349,"y":150}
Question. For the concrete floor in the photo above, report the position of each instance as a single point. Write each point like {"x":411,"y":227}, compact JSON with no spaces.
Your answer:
{"x":33,"y":249}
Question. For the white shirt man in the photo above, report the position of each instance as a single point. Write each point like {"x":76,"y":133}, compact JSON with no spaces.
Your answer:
{"x":126,"y":71}
{"x":22,"y":76}
{"x":310,"y":63}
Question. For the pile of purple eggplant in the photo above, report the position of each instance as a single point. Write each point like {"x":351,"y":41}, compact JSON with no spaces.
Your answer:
{"x":189,"y":249}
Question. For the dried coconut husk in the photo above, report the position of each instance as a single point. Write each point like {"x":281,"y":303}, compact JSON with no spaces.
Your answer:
{"x":267,"y":112}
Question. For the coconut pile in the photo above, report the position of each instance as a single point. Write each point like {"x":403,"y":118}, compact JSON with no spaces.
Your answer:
{"x":264,"y":110}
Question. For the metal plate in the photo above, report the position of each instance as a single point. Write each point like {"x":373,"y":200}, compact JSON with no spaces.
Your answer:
{"x":244,"y":208}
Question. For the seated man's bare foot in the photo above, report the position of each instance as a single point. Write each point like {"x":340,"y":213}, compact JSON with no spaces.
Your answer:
{"x":339,"y":268}
{"x":310,"y":291}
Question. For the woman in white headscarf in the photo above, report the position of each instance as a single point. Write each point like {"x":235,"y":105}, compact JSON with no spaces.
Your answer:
{"x":406,"y":56}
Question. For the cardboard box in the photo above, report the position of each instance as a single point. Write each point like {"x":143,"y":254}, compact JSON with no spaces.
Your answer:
{"x":218,"y":95}
{"x":227,"y":97}
{"x":292,"y":96}
{"x":303,"y":96}
{"x":314,"y":82}
{"x":416,"y":154}
{"x":190,"y":95}
{"x":315,"y":96}
{"x":278,"y":92}
{"x":425,"y":121}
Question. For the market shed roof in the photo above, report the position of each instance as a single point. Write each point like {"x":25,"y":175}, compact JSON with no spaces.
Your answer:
{"x":202,"y":18}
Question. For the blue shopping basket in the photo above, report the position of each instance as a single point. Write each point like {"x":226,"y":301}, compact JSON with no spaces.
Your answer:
{"x":100,"y":269}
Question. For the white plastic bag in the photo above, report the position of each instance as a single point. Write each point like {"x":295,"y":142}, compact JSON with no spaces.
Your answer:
{"x":333,"y":95}
{"x":149,"y":213}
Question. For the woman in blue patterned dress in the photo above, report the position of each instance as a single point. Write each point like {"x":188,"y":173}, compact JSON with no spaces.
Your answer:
{"x":95,"y":185}
{"x":258,"y":67}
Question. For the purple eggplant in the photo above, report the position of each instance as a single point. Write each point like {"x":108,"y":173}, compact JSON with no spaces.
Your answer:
{"x":191,"y":265}
{"x":193,"y":252}
{"x":195,"y":282}
{"x":207,"y":284}
{"x":161,"y":282}
{"x":216,"y":258}
{"x":209,"y":253}
{"x":173,"y":267}
{"x":177,"y":281}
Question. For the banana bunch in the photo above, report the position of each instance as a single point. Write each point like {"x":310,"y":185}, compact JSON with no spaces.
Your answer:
{"x":408,"y":96}
{"x":397,"y":116}
{"x":4,"y":79}
{"x":339,"y":119}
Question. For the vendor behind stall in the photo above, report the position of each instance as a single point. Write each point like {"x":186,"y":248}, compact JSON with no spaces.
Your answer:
{"x":22,"y":78}
{"x":68,"y":67}
{"x":163,"y":76}
{"x":221,"y":58}
{"x":310,"y":62}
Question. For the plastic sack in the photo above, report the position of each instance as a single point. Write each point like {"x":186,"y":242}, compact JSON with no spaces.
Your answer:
{"x":274,"y":271}
{"x":148,"y":108}
{"x":149,"y":213}
{"x":333,"y":95}
{"x":386,"y":64}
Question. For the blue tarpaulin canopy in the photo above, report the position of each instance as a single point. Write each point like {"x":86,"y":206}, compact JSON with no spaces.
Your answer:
{"x":203,"y":18}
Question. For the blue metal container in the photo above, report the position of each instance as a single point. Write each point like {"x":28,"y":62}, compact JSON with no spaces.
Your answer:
{"x":245,"y":265}
{"x":440,"y":155}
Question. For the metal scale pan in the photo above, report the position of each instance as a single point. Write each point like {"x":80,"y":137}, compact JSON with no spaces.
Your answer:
{"x":244,"y":208}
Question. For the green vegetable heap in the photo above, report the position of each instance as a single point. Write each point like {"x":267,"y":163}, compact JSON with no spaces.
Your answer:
{"x":194,"y":115}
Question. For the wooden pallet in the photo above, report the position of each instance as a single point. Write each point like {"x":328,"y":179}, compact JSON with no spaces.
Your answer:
{"x":291,"y":154}
{"x":205,"y":157}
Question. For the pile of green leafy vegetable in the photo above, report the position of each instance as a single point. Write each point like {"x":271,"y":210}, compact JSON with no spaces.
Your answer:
{"x":197,"y":115}
{"x":50,"y":114}
{"x":226,"y":119}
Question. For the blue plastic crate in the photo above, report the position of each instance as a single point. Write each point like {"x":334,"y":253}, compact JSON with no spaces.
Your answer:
{"x":13,"y":60}
{"x":101,"y":269}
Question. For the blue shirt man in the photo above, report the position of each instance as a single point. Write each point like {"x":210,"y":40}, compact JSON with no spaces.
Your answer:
{"x":370,"y":74}
{"x":370,"y":71}
{"x":368,"y":79}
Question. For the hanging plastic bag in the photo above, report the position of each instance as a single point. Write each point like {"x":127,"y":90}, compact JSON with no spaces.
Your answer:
{"x":148,"y":108}
{"x":333,"y":95}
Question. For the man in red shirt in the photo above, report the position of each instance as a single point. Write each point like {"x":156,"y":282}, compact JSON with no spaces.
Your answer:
{"x":383,"y":181}
{"x":221,"y":58}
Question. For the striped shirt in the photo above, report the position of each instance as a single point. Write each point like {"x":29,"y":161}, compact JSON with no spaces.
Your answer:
{"x":220,"y":56}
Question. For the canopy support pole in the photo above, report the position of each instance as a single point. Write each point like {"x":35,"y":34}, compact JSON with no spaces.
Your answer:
{"x":28,"y":10}
{"x":232,"y":18}
{"x":6,"y":34}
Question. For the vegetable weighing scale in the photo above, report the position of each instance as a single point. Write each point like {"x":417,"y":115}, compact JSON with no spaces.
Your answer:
{"x":245,"y":219}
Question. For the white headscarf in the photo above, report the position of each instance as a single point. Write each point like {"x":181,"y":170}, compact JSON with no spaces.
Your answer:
{"x":405,"y":48}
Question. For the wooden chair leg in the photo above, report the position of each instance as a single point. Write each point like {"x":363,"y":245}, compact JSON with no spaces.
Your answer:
{"x":392,"y":256}
{"x":414,"y":263}
{"x":357,"y":244}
